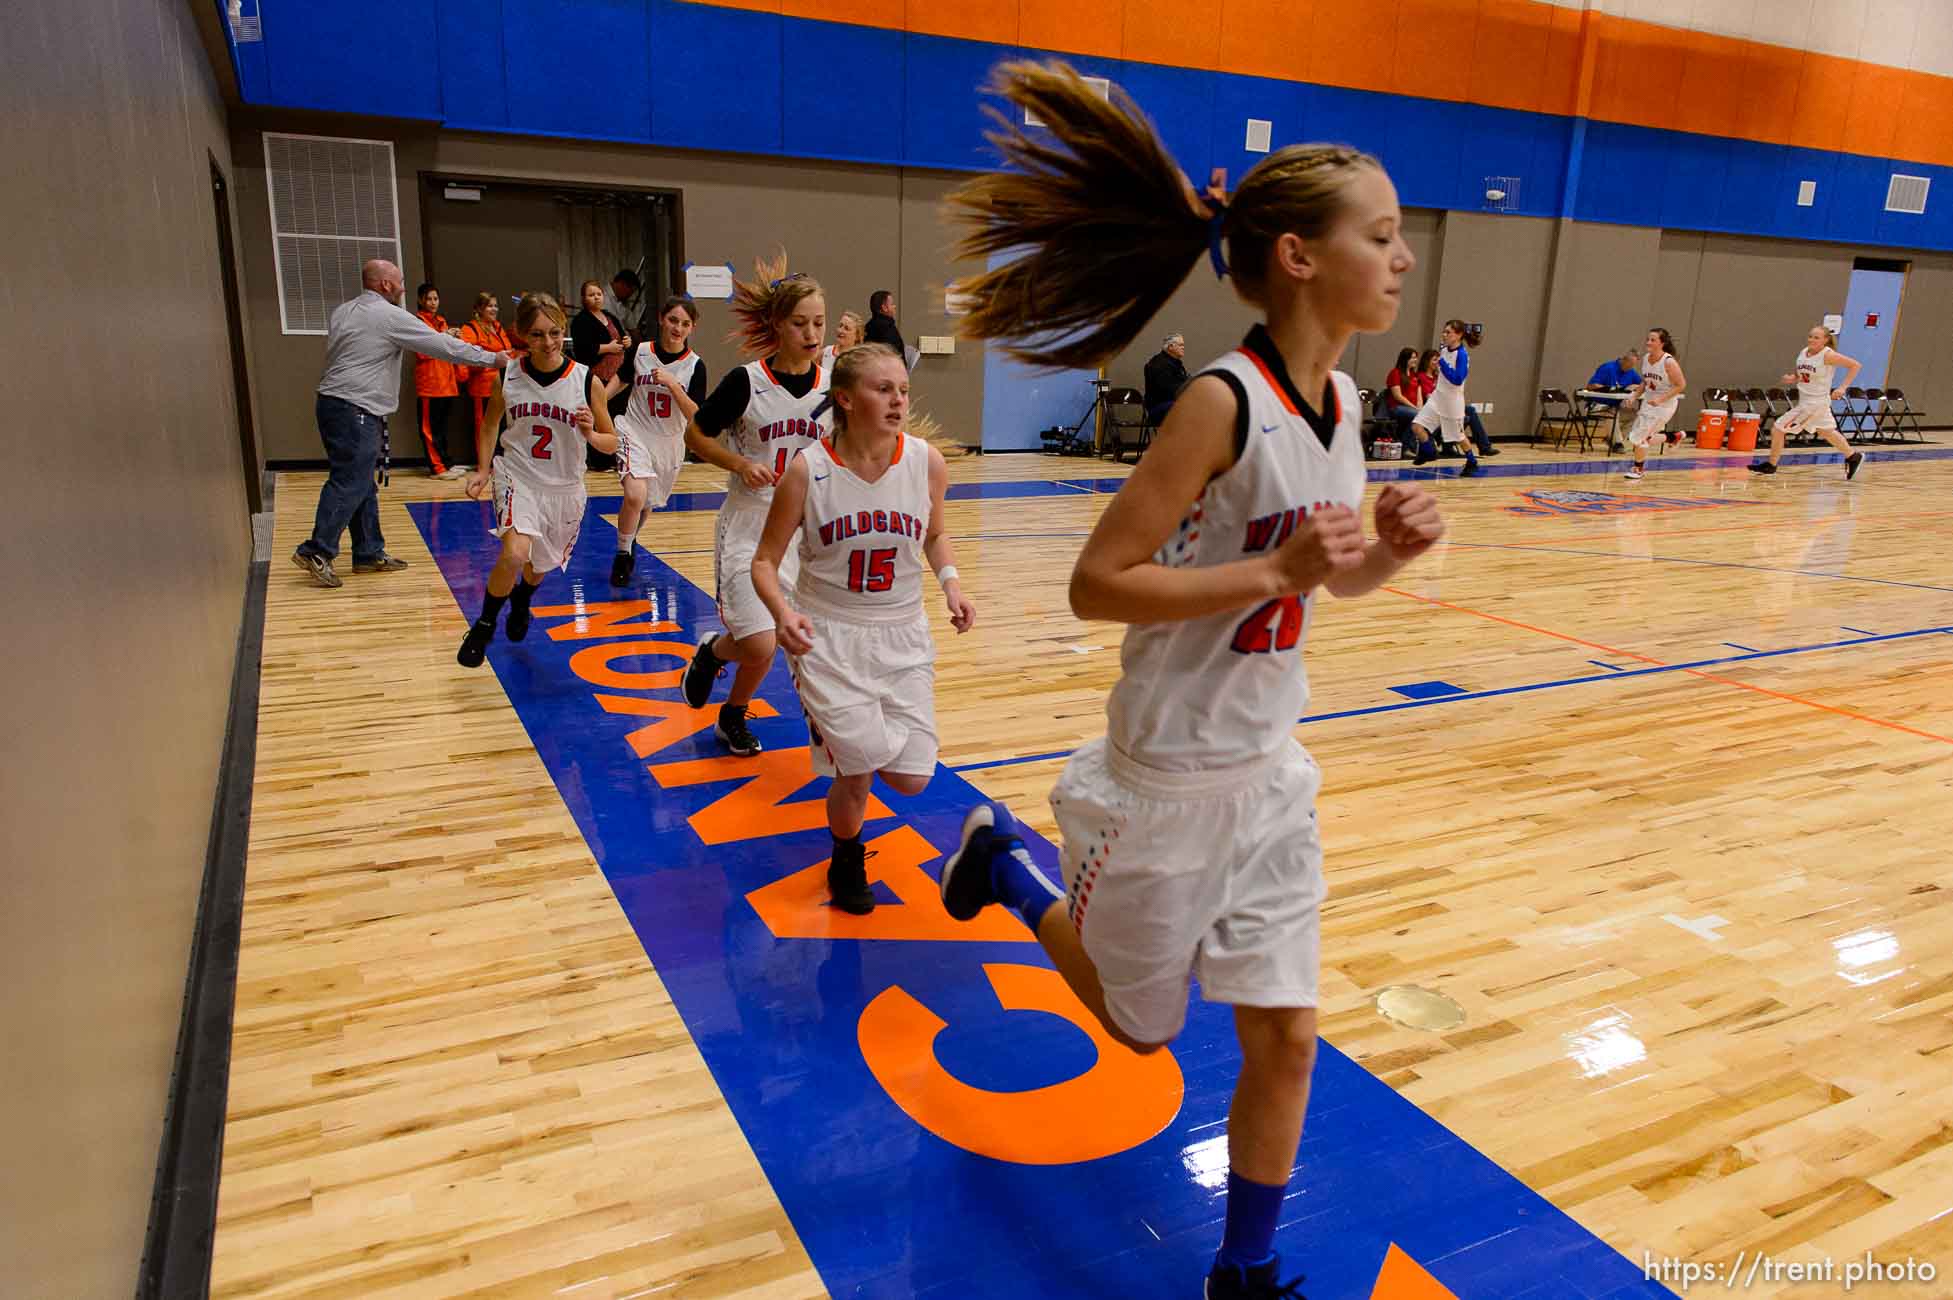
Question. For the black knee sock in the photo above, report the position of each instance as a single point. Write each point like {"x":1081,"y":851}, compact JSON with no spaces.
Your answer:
{"x":523,"y":593}
{"x":491,"y":607}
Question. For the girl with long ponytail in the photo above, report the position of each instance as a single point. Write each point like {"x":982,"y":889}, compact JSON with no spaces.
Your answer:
{"x":769,"y":409}
{"x":1190,"y":844}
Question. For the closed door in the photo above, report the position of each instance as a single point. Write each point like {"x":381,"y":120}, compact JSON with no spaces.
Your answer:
{"x":1871,"y":324}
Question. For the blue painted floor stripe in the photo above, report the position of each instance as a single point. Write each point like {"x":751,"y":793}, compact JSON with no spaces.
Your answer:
{"x":885,"y":1207}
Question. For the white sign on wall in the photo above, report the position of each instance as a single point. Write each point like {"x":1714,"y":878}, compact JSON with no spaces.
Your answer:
{"x":1834,"y":323}
{"x":706,"y":280}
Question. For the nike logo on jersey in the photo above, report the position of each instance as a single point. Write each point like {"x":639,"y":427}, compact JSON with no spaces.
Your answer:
{"x":820,"y":478}
{"x":1269,"y":428}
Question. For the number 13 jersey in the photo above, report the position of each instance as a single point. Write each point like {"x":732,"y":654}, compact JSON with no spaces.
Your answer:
{"x":1226,"y":689}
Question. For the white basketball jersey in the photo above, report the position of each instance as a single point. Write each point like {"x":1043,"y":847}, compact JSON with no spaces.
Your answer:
{"x":1659,"y":388}
{"x":1228,"y":688}
{"x":542,"y":444}
{"x":1814,"y":378}
{"x":776,"y":425}
{"x":827,"y":358}
{"x":861,"y":542}
{"x":651,"y":411}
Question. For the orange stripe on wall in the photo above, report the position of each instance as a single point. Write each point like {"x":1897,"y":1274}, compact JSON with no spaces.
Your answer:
{"x":1519,"y":54}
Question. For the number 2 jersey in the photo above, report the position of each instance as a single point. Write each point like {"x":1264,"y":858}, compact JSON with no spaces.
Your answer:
{"x":1226,"y":689}
{"x":542,"y":445}
{"x":861,"y":542}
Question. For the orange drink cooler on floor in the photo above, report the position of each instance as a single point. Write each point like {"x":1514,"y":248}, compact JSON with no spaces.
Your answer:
{"x":1743,"y":428}
{"x":1709,"y":427}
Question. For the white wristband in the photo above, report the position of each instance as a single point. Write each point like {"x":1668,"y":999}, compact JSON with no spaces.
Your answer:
{"x":946,"y":574}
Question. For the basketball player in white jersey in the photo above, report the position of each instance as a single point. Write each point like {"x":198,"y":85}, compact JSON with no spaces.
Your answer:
{"x":554,"y":407}
{"x":1815,"y":374}
{"x":668,"y":384}
{"x":768,"y":410}
{"x":867,"y":503}
{"x":1190,"y":844}
{"x":1655,"y":401}
{"x":1444,"y":410}
{"x":848,"y":333}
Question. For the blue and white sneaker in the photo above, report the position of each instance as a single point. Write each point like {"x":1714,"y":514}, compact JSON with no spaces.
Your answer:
{"x":967,"y":884}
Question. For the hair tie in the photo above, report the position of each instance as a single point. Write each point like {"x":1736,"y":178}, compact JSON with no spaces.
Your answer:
{"x":1214,"y":198}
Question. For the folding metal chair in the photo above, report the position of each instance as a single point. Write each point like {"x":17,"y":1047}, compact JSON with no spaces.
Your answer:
{"x":1875,"y":407}
{"x":1903,"y":415}
{"x":1125,"y":413}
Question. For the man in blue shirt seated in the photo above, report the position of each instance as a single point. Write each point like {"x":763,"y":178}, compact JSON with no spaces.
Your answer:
{"x":1624,"y":373}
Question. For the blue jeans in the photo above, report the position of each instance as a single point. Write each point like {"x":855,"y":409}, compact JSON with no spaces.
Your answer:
{"x":351,"y":496}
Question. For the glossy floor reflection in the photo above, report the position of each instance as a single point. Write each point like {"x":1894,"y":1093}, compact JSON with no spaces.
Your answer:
{"x":1650,"y":779}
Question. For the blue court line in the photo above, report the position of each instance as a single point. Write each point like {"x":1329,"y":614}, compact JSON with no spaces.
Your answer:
{"x":1614,"y":675}
{"x":1733,"y":646}
{"x":1708,"y":564}
{"x":1612,"y":668}
{"x":1862,"y":631}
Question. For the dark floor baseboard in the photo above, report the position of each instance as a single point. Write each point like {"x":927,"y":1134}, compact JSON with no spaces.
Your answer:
{"x":183,"y":1212}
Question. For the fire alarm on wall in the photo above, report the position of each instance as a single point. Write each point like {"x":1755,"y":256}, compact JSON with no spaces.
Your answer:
{"x":1871,"y":320}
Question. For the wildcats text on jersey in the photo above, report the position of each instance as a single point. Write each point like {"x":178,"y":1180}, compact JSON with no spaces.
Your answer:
{"x":860,"y":523}
{"x":1273,"y":530}
{"x":541,"y":411}
{"x":795,"y":428}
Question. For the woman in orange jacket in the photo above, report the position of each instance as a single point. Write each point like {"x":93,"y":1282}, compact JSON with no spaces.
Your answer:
{"x":485,"y":331}
{"x":434,"y":385}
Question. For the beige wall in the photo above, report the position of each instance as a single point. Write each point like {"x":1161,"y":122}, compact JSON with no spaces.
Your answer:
{"x":1494,"y":271}
{"x":127,"y":530}
{"x":855,"y":228}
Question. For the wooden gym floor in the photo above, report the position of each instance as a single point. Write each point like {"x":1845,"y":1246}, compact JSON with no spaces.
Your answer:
{"x":1652,"y":779}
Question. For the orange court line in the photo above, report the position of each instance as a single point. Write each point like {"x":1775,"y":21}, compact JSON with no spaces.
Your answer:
{"x":1692,"y":672}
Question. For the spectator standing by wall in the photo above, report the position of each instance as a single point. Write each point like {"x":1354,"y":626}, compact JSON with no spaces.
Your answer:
{"x":881,"y":323}
{"x":598,"y":340}
{"x":435,"y":386}
{"x":486,"y":332}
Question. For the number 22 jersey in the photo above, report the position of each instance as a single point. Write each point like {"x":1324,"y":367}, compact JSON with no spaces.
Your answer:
{"x":1226,"y":689}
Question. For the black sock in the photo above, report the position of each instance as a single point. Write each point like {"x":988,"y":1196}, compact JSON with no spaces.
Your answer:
{"x":523,"y":593}
{"x":731,"y":710}
{"x":491,"y":607}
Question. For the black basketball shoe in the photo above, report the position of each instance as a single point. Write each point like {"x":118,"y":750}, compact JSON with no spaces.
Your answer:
{"x":703,"y":671}
{"x":474,"y":646}
{"x":733,"y":732}
{"x":847,"y":878}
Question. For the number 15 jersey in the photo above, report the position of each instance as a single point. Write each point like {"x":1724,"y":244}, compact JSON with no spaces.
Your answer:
{"x":1226,"y":689}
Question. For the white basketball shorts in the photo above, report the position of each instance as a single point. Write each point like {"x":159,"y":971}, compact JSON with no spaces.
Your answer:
{"x":740,"y":607}
{"x":1216,"y":876}
{"x":549,"y":517}
{"x":1807,"y":416}
{"x":653,"y":457}
{"x":869,"y":693}
{"x":1651,"y":421}
{"x":1432,"y":416}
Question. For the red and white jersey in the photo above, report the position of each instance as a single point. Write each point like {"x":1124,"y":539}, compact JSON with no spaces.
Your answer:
{"x":651,"y":411}
{"x":1659,"y":388}
{"x":861,"y":542}
{"x":1814,"y":373}
{"x":774,"y":428}
{"x":1226,"y":689}
{"x":542,"y":445}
